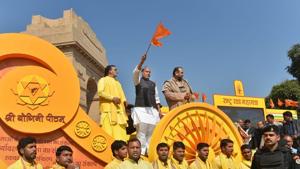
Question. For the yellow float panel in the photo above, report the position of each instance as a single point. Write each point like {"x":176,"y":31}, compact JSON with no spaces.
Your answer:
{"x":40,"y":95}
{"x":193,"y":123}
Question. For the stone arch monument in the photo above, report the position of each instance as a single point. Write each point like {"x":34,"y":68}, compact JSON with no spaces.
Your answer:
{"x":75,"y":38}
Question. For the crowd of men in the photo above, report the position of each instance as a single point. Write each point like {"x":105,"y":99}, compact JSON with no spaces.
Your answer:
{"x":278,"y":148}
{"x":145,"y":113}
{"x":276,"y":145}
{"x":276,"y":153}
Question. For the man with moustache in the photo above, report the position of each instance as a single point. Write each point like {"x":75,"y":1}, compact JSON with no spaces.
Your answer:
{"x":64,"y":158}
{"x":272,"y":155}
{"x":145,"y":113}
{"x":225,"y":159}
{"x":119,"y":151}
{"x":27,"y":151}
{"x":177,"y":90}
{"x":163,"y":161}
{"x":134,"y":160}
{"x":177,"y":160}
{"x":201,"y":161}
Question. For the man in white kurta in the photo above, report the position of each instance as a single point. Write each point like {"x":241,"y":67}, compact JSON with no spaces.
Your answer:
{"x":145,"y":114}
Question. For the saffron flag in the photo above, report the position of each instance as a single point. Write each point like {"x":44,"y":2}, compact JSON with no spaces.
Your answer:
{"x":291,"y":103}
{"x":196,"y":95}
{"x":271,"y":103}
{"x":160,"y":32}
{"x":204,"y":97}
{"x":280,"y":103}
{"x":288,"y":102}
{"x":295,"y":103}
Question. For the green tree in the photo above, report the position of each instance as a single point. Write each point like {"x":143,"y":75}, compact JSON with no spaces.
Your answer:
{"x":294,"y":56}
{"x":289,"y":89}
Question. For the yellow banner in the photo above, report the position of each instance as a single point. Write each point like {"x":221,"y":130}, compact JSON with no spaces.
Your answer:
{"x":236,"y":101}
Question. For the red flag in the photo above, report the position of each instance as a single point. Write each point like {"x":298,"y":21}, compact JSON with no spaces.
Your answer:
{"x":204,"y":97}
{"x":271,"y":104}
{"x":196,"y":95}
{"x":280,"y":103}
{"x":160,"y":32}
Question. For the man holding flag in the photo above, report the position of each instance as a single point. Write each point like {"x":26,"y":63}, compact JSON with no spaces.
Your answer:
{"x":145,"y":114}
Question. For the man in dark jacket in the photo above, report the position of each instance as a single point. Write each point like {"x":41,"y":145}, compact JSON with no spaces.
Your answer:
{"x":146,"y":111}
{"x":272,"y":155}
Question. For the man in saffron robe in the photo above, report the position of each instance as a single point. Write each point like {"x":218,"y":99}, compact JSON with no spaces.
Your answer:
{"x":27,"y":150}
{"x":134,"y":160}
{"x":112,"y":104}
{"x":119,"y":151}
{"x":163,"y":161}
{"x":247,"y":156}
{"x":225,"y":159}
{"x":201,"y":161}
{"x":178,"y":159}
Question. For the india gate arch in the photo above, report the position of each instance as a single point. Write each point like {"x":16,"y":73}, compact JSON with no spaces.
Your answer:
{"x":92,"y":99}
{"x":76,"y":39}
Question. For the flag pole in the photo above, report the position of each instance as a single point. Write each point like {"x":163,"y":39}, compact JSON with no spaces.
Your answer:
{"x":148,"y":48}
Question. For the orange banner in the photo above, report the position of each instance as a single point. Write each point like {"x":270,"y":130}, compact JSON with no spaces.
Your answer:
{"x":46,"y":147}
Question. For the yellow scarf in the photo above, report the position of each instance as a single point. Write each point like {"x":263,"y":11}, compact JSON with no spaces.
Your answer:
{"x":157,"y":164}
{"x":57,"y":166}
{"x":246,"y":164}
{"x":177,"y":165}
{"x":228,"y":163}
{"x":201,"y":164}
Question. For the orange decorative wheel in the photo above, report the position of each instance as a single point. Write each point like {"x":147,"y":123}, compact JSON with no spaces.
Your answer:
{"x":193,"y":123}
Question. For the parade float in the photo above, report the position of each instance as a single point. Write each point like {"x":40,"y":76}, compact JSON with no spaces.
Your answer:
{"x":40,"y":96}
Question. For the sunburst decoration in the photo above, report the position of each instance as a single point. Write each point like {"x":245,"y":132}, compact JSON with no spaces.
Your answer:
{"x":194,"y":123}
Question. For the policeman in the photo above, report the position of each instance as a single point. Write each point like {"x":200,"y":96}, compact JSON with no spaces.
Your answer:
{"x":272,"y":155}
